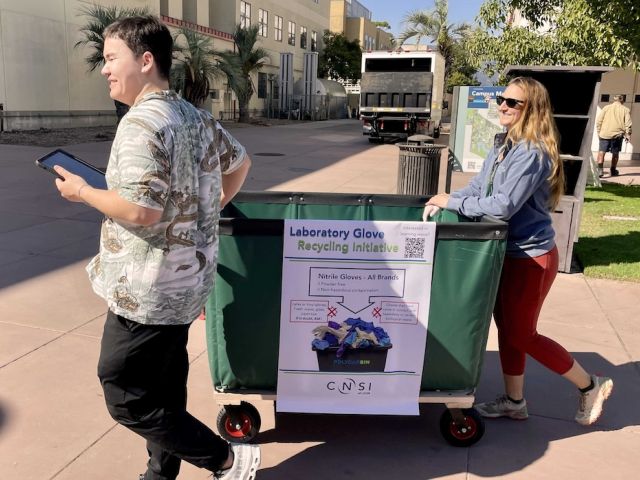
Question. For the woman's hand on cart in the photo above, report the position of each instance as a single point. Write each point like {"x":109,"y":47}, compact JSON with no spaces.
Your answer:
{"x":429,"y":211}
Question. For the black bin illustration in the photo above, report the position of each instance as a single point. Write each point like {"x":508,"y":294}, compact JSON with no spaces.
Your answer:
{"x":371,"y":359}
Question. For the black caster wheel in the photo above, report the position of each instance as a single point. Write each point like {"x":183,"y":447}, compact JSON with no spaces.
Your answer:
{"x":238,"y":423}
{"x":462,"y":430}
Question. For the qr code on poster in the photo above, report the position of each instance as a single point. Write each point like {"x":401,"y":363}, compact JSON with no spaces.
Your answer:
{"x":414,"y":247}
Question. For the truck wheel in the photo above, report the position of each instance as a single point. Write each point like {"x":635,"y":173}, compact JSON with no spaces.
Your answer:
{"x":238,"y":423}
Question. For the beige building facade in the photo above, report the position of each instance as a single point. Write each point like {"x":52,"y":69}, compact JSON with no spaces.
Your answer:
{"x":45,"y":82}
{"x":354,"y":20}
{"x":294,"y":26}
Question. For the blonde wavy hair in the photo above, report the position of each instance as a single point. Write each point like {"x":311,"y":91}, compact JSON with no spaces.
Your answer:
{"x":537,"y":126}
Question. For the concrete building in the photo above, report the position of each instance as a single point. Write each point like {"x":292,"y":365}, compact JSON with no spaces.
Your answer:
{"x":354,"y":20}
{"x":45,"y":82}
{"x":43,"y":79}
{"x":293,"y":27}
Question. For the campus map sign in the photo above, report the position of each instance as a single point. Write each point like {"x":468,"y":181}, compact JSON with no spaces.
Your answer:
{"x":355,"y":307}
{"x":476,"y":126}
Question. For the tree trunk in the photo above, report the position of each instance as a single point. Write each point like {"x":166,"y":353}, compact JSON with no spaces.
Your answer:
{"x":243,"y":107}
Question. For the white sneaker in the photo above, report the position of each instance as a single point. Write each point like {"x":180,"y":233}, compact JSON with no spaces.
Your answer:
{"x":246,"y":460}
{"x":591,"y":402}
{"x":503,"y":407}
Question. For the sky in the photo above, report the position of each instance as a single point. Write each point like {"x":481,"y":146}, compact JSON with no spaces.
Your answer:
{"x":394,"y":11}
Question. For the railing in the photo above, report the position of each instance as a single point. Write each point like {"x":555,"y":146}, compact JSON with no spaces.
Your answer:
{"x":296,"y":107}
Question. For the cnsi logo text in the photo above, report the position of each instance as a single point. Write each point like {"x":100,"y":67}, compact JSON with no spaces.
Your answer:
{"x":348,"y":386}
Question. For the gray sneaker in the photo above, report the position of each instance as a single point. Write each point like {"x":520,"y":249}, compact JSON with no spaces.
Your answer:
{"x":246,"y":460}
{"x":503,"y":407}
{"x":591,"y":402}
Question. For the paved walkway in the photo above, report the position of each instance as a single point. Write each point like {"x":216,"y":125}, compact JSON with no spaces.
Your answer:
{"x":53,"y":423}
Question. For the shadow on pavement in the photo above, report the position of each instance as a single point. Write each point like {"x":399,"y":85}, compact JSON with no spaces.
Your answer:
{"x":40,"y":232}
{"x":361,"y":447}
{"x":3,"y":417}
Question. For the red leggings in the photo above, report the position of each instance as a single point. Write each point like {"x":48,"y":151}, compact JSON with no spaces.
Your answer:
{"x":524,"y":284}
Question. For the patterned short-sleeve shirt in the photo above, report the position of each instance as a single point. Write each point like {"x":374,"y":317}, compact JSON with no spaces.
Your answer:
{"x":168,"y":156}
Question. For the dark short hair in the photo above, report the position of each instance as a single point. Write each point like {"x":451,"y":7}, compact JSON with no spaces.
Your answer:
{"x":145,"y":34}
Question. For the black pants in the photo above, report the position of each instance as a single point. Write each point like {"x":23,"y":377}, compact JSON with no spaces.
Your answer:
{"x":143,"y":371}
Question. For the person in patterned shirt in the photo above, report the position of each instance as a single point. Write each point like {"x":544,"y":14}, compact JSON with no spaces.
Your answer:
{"x":171,"y":169}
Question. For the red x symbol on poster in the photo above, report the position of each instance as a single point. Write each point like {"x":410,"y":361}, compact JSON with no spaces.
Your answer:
{"x":332,"y":311}
{"x":376,"y":312}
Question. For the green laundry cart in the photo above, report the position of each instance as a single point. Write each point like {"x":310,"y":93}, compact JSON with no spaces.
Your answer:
{"x":243,"y":311}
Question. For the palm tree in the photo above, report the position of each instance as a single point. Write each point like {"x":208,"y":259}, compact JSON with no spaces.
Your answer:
{"x":99,"y":18}
{"x":239,"y":65}
{"x":433,"y":24}
{"x":194,"y":66}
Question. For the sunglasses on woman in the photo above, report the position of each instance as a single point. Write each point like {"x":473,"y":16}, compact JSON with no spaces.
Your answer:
{"x":511,"y":102}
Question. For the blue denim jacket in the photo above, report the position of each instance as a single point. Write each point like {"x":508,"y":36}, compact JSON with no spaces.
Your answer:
{"x":519,"y":195}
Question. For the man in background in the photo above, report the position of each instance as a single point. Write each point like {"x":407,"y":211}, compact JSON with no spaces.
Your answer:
{"x":171,"y":169}
{"x":613,"y":124}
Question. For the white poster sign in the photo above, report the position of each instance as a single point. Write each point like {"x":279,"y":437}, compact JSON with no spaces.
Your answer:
{"x":355,"y":307}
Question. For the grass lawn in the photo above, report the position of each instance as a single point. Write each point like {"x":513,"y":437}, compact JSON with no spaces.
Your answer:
{"x":609,"y":242}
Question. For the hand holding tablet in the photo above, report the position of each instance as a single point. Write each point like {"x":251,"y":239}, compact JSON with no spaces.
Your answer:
{"x":92,"y":175}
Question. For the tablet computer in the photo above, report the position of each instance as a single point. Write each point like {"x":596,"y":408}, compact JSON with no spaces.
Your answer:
{"x":92,"y":175}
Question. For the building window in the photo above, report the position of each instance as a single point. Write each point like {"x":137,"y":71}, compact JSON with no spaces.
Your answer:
{"x":637,"y":99}
{"x":604,"y":98}
{"x":262,"y":85}
{"x":277,"y":27}
{"x":263,"y":23}
{"x":369,"y":43}
{"x":245,"y":14}
{"x":190,"y":11}
{"x":292,"y":34}
{"x":314,"y":41}
{"x":303,"y":37}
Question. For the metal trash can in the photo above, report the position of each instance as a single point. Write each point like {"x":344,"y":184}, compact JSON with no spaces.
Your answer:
{"x":419,"y":169}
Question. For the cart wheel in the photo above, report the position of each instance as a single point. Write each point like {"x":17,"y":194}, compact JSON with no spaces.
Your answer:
{"x":466,"y":431}
{"x":238,"y":423}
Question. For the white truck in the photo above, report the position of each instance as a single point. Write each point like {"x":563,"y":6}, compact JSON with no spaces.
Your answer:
{"x":401,"y":94}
